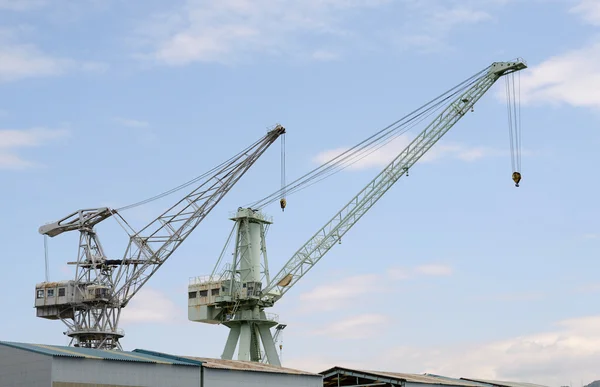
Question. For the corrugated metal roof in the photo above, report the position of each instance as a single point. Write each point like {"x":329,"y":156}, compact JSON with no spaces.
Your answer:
{"x":409,"y":378}
{"x":96,"y":354}
{"x":233,"y":365}
{"x":239,"y":365}
{"x":501,"y":383}
{"x":425,"y":378}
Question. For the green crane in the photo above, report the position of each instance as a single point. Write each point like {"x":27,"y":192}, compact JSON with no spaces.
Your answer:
{"x":237,"y":294}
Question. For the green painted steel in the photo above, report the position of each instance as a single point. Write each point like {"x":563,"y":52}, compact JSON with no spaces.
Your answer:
{"x":323,"y":240}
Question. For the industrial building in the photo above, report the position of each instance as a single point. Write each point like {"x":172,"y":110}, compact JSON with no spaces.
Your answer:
{"x":37,"y":365}
{"x":346,"y":377}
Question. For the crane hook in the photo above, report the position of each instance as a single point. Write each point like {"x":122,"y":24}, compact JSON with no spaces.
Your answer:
{"x":282,"y":203}
{"x":516,"y":176}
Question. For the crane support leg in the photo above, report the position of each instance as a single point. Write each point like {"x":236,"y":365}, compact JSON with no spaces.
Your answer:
{"x":269,"y":345}
{"x":245,"y":351}
{"x":250,"y":333}
{"x":232,"y":339}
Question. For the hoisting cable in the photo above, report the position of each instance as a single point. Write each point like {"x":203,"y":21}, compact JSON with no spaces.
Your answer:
{"x":357,"y":153}
{"x":46,"y":263}
{"x":282,"y":201}
{"x":371,"y":144}
{"x":190,"y":182}
{"x":513,"y":105}
{"x":365,"y":153}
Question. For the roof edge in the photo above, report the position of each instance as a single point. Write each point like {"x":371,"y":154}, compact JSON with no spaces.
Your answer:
{"x":16,"y":345}
{"x":168,"y":356}
{"x":351,"y":372}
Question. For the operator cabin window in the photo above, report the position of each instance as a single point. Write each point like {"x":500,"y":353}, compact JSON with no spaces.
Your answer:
{"x":193,"y":294}
{"x":61,"y":292}
{"x":40,"y":293}
{"x":50,"y":293}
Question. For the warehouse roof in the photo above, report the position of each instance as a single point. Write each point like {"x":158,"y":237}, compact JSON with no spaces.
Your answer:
{"x":97,"y":354}
{"x":395,"y":377}
{"x":232,"y":365}
{"x":499,"y":383}
{"x":239,"y":365}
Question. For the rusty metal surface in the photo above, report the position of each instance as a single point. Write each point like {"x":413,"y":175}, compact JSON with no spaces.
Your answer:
{"x":239,"y":365}
{"x":425,"y":378}
{"x":398,"y":378}
{"x":505,"y":383}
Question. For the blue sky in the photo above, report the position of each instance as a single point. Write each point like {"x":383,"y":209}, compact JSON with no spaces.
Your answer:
{"x":455,"y":271}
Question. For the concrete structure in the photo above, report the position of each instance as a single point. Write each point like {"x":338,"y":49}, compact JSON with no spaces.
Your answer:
{"x":37,"y":365}
{"x":345,"y":377}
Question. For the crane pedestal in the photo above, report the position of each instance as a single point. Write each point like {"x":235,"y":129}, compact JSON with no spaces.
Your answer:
{"x":250,"y":333}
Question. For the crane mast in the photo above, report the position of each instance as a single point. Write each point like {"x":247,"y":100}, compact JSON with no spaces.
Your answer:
{"x":236,"y":297}
{"x":91,"y":304}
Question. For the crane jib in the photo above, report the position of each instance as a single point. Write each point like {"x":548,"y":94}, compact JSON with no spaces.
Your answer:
{"x":322,"y":241}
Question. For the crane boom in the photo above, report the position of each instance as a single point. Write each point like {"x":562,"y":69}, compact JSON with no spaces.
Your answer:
{"x":170,"y":229}
{"x":236,"y":297}
{"x":321,"y":242}
{"x":91,"y":304}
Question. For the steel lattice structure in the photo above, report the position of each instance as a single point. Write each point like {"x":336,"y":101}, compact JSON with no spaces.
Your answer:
{"x":229,"y":301}
{"x":91,"y":304}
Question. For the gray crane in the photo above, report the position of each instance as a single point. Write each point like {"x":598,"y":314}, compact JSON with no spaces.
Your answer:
{"x":91,"y":304}
{"x":236,"y":294}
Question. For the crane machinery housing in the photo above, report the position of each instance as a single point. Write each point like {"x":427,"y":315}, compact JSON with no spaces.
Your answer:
{"x":237,"y":293}
{"x":91,"y":304}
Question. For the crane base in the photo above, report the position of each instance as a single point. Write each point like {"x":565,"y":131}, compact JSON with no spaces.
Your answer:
{"x":250,"y":334}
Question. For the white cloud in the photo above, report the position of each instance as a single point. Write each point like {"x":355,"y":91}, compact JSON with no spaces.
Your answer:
{"x":19,"y":61}
{"x":431,"y":22}
{"x":434,"y":270}
{"x":227,"y":31}
{"x":588,"y":10}
{"x":430,"y":270}
{"x":348,"y":290}
{"x":337,"y":294}
{"x":571,"y":78}
{"x":357,"y":327}
{"x":224,"y":31}
{"x":384,"y":155}
{"x":510,"y":297}
{"x":454,"y":16}
{"x":151,"y":306}
{"x":132,"y":123}
{"x":25,"y":60}
{"x":12,"y":140}
{"x":568,"y":352}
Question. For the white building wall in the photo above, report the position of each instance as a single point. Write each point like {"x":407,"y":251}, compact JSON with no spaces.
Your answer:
{"x":124,"y":373}
{"x":20,"y":368}
{"x":227,"y":378}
